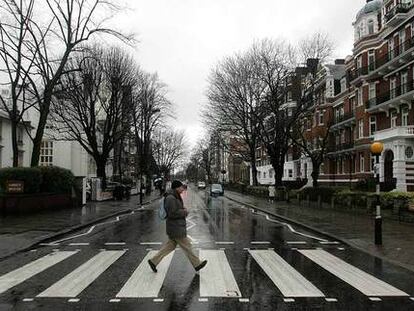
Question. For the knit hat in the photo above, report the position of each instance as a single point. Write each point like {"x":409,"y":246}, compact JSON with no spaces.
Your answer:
{"x":176,"y":184}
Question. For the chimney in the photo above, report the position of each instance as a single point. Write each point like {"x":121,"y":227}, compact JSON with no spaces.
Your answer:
{"x":312,"y":64}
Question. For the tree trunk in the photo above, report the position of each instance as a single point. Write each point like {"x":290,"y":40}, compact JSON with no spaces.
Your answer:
{"x":315,"y":173}
{"x":37,"y":141}
{"x":278,"y":175}
{"x":100,"y":171}
{"x":254,"y":173}
{"x":15,"y":146}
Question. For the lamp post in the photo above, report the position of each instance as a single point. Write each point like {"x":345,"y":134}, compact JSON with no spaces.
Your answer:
{"x":376,"y":150}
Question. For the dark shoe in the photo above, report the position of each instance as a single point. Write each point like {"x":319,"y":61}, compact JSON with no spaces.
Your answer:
{"x":201,"y":265}
{"x":153,"y":267}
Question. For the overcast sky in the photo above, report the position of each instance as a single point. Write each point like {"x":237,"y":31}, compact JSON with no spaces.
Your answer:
{"x":183,"y":39}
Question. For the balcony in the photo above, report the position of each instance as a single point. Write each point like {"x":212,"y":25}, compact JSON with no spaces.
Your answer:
{"x":395,"y":133}
{"x":401,"y":54}
{"x":397,"y":14}
{"x":402,"y":94}
{"x":344,"y":120}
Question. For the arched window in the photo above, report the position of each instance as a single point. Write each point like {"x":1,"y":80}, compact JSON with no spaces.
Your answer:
{"x":370,"y":27}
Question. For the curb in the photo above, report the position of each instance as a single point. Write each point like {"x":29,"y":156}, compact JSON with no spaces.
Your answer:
{"x":325,"y":234}
{"x":73,"y":229}
{"x":295,"y":222}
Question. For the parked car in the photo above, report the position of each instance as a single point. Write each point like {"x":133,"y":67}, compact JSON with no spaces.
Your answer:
{"x":216,"y":190}
{"x":201,"y":185}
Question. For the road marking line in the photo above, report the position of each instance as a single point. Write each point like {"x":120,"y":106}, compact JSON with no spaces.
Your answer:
{"x":362,"y":281}
{"x":246,"y":249}
{"x":296,"y":242}
{"x":33,"y":250}
{"x":158,"y":300}
{"x":148,"y":249}
{"x":259,"y":242}
{"x":114,"y":300}
{"x":217,"y":279}
{"x":329,"y":242}
{"x":150,"y":243}
{"x":27,"y":299}
{"x":73,"y":300}
{"x":78,"y":244}
{"x":341,"y":248}
{"x":244,"y":299}
{"x":289,"y":281}
{"x":202,"y":299}
{"x":224,"y":243}
{"x":288,"y":300}
{"x":49,"y":244}
{"x":76,"y":281}
{"x":412,"y":298}
{"x":20,"y":275}
{"x":331,"y":299}
{"x":375,"y":299}
{"x":115,"y":243}
{"x":144,"y":283}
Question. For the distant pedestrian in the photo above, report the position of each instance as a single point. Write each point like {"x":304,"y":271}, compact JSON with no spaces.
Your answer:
{"x":272,"y":192}
{"x":176,"y":228}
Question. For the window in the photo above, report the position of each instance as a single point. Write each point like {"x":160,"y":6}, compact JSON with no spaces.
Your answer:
{"x":393,"y":119}
{"x":370,"y":27}
{"x":20,"y":133}
{"x":393,"y":85}
{"x":361,"y":129}
{"x":372,"y":125}
{"x":359,"y":94}
{"x":1,"y":127}
{"x":342,"y":136}
{"x":1,"y":164}
{"x":371,"y":60}
{"x":270,"y":173}
{"x":402,"y":40}
{"x":359,"y":62}
{"x":391,"y":48}
{"x":290,"y":172}
{"x":343,"y":85}
{"x":361,"y":163}
{"x":289,"y":96}
{"x":259,"y":174}
{"x":404,"y":116}
{"x":404,"y":81}
{"x":20,"y":159}
{"x":372,"y":91}
{"x":352,"y":103}
{"x":264,"y":174}
{"x":46,"y":153}
{"x":321,"y":118}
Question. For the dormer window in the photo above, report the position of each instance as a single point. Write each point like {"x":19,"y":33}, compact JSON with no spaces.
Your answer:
{"x":370,"y":27}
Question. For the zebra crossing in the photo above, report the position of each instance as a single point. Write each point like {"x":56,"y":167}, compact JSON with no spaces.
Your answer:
{"x":216,"y":280}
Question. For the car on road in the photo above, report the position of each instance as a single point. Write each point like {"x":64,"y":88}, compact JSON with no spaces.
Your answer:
{"x":201,"y":185}
{"x":216,"y":190}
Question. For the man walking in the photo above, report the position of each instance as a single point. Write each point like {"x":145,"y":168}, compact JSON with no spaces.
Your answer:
{"x":272,"y":192}
{"x":176,"y":228}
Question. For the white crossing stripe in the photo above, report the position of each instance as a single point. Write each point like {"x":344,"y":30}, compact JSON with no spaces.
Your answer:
{"x":289,"y":281}
{"x":260,"y":242}
{"x":78,"y":244}
{"x":20,"y":275}
{"x":76,"y":281}
{"x":217,"y":279}
{"x":144,"y":283}
{"x":362,"y":281}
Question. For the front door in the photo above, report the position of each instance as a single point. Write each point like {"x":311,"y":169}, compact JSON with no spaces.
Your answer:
{"x":388,"y":167}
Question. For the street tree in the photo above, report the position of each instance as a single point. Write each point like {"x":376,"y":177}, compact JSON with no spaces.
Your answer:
{"x":234,"y":104}
{"x":168,"y":149}
{"x":16,"y":64}
{"x":55,"y":32}
{"x":316,"y":46}
{"x":271,"y":60}
{"x":93,"y":99}
{"x":150,"y":109}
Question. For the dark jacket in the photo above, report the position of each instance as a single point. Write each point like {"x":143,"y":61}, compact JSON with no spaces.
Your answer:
{"x":176,"y":214}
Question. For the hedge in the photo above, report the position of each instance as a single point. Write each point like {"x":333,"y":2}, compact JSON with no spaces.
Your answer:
{"x":31,"y":176}
{"x":325,"y":193}
{"x":56,"y":179}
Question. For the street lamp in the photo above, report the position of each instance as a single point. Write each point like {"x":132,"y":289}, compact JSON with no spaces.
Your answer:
{"x":376,"y":150}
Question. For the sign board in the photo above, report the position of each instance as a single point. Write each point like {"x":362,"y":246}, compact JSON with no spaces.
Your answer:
{"x":15,"y":186}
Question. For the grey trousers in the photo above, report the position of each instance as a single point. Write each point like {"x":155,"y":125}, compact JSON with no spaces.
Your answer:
{"x":168,"y":247}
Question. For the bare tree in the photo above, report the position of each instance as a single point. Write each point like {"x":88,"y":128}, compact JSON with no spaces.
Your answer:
{"x":317,"y":46}
{"x":150,"y":108}
{"x":168,"y":149}
{"x":202,"y":157}
{"x":271,"y":60}
{"x":234,"y":104}
{"x":56,"y":31}
{"x":15,"y":64}
{"x":94,"y":98}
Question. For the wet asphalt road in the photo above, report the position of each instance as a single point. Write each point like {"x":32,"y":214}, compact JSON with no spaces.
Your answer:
{"x":218,"y":224}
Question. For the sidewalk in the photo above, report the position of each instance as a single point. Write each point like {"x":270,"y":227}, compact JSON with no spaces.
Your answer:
{"x":357,"y":230}
{"x":18,"y":232}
